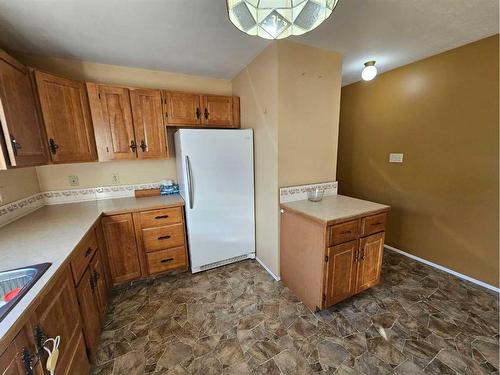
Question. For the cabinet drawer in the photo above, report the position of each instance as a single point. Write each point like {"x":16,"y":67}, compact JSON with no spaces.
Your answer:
{"x":344,"y":232}
{"x":158,"y":218}
{"x":373,"y":224}
{"x":82,"y":255}
{"x":163,"y":237}
{"x":165,"y":260}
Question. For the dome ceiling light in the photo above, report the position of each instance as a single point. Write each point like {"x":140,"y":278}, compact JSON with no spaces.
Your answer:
{"x":369,"y":71}
{"x":278,"y":19}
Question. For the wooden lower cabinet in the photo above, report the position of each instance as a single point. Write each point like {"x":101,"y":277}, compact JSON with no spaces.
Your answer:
{"x":145,"y":243}
{"x":123,"y":256}
{"x":369,"y":259}
{"x":58,"y":314}
{"x":341,"y":272}
{"x":325,"y":264}
{"x":88,"y":300}
{"x":20,"y":356}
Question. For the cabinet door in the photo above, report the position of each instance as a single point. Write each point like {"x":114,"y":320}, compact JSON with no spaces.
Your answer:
{"x":87,"y":297}
{"x":112,"y":119}
{"x":182,"y":108}
{"x":19,"y":357}
{"x":101,"y":289}
{"x":217,"y":110}
{"x":20,"y":122}
{"x":66,"y":115}
{"x":371,"y":250}
{"x":58,"y":314}
{"x":148,"y":123}
{"x":122,"y":249}
{"x":341,"y":272}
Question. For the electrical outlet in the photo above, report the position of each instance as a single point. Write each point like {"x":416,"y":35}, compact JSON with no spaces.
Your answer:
{"x":395,"y":158}
{"x":73,"y":181}
{"x":115,"y":178}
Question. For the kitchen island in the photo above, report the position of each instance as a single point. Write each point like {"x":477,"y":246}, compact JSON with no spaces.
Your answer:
{"x":332,"y":249}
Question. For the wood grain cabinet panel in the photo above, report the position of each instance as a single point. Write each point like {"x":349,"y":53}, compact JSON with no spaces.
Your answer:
{"x":101,"y":289}
{"x":182,"y":108}
{"x":58,"y":314}
{"x":11,"y":360}
{"x":87,"y":298}
{"x":150,"y":132}
{"x":163,"y":237}
{"x":67,"y":119}
{"x":166,"y":260}
{"x":19,"y":118}
{"x":371,"y":250}
{"x":217,"y":111}
{"x":123,"y":256}
{"x":341,"y":272}
{"x":113,"y":123}
{"x":343,"y":232}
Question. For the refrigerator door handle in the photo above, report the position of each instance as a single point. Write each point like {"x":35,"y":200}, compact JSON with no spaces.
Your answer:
{"x":189,"y":178}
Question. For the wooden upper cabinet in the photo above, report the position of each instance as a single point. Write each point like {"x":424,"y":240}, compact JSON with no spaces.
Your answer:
{"x":67,"y":119}
{"x":123,"y":255}
{"x":148,"y":123}
{"x":21,"y":125}
{"x":217,"y":111}
{"x":182,"y":108}
{"x":370,"y":254}
{"x":113,"y":122}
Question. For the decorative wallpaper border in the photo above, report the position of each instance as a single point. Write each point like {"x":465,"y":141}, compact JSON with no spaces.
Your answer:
{"x":14,"y":210}
{"x":298,"y":193}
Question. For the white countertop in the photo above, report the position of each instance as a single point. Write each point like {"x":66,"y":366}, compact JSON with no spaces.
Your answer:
{"x":335,"y":208}
{"x":51,"y":233}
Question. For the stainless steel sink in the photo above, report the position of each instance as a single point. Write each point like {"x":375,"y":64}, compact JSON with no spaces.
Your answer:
{"x":23,"y":278}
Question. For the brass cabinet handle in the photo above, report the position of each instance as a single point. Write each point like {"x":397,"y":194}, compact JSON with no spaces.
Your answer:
{"x":132,"y":146}
{"x":164,"y":237}
{"x":166,"y":260}
{"x":198,"y":113}
{"x":143,"y":146}
{"x":206,"y":113}
{"x":161,"y":217}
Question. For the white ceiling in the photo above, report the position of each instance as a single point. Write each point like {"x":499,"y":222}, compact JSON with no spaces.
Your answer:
{"x":195,"y":36}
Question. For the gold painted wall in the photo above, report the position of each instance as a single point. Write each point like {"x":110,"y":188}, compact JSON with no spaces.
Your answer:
{"x":55,"y":177}
{"x":443,"y":114}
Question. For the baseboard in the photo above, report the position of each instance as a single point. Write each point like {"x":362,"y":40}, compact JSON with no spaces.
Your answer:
{"x":454,"y":273}
{"x":267,"y":269}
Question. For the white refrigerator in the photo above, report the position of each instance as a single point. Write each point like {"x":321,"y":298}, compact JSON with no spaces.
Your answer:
{"x":216,"y":180}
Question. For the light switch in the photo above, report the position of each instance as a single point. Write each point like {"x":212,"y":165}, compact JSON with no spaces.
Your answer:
{"x":395,"y":158}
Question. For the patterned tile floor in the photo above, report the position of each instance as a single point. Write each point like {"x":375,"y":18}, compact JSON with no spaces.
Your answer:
{"x":237,"y":320}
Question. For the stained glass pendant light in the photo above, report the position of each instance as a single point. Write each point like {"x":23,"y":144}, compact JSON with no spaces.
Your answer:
{"x":278,"y":19}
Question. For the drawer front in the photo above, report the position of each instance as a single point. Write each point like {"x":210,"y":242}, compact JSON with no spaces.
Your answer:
{"x":165,"y":260}
{"x":158,"y":218}
{"x":163,"y":237}
{"x":373,"y":224}
{"x":344,"y":232}
{"x":82,"y":255}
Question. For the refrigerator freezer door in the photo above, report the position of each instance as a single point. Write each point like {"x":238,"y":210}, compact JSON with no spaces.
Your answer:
{"x":215,"y":172}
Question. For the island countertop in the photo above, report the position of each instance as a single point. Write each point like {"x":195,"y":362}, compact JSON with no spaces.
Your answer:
{"x":335,"y":208}
{"x":51,"y":233}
